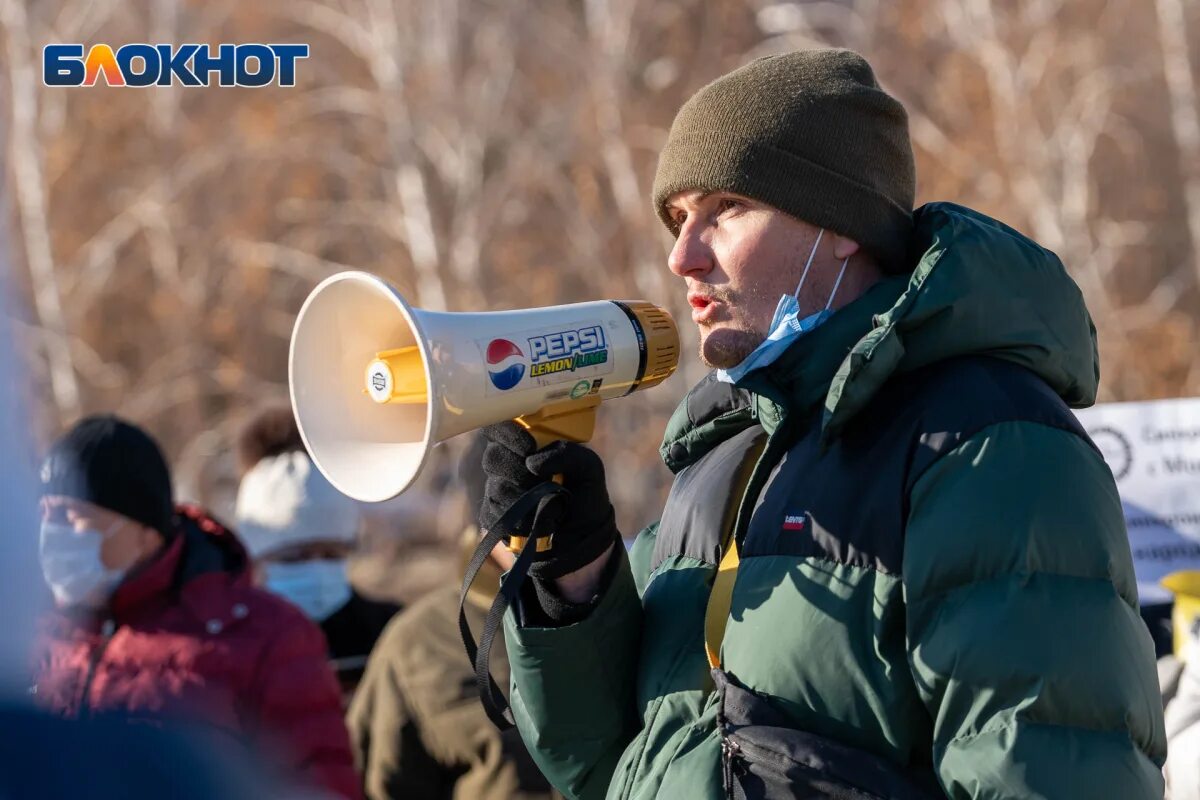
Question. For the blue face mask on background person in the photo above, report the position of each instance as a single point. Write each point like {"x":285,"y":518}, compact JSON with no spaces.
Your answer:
{"x":318,"y":587}
{"x":72,"y":565}
{"x":786,"y":325}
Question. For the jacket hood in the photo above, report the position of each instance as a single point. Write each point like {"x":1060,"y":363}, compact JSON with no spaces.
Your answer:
{"x":979,"y":288}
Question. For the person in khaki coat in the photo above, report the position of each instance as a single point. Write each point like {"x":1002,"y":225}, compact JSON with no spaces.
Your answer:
{"x":416,"y":723}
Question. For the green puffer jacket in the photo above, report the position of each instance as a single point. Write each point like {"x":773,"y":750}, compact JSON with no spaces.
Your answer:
{"x":934,"y":567}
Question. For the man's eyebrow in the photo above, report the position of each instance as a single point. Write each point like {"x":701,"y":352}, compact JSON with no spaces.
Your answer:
{"x":700,"y":198}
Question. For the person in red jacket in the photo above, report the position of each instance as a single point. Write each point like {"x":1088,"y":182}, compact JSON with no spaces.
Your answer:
{"x":157,"y":619}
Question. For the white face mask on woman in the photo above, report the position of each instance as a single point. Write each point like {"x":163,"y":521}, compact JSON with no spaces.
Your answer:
{"x":317,"y":587}
{"x":72,"y":565}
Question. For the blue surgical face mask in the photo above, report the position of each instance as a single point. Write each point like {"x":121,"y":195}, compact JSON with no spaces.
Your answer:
{"x":72,"y":565}
{"x":318,"y":587}
{"x":786,"y":325}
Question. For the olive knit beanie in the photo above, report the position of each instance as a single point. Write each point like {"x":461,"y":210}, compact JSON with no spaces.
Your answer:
{"x":810,"y":133}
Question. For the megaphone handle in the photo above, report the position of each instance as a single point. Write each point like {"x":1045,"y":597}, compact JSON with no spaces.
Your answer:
{"x":494,"y":703}
{"x":571,"y":421}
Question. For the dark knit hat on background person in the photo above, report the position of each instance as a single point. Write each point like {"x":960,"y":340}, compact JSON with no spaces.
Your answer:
{"x":113,"y":464}
{"x":810,"y":133}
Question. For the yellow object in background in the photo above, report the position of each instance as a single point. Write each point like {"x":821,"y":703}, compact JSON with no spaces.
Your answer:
{"x":1185,"y":617}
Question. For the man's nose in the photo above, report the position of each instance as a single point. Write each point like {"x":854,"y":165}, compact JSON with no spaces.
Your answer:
{"x":691,"y":256}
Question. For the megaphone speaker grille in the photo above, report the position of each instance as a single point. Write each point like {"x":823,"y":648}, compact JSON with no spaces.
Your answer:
{"x":370,"y":451}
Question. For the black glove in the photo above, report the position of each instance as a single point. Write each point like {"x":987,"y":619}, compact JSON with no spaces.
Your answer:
{"x":580,"y":519}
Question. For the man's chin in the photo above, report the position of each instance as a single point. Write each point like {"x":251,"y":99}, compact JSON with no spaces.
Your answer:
{"x":725,"y":348}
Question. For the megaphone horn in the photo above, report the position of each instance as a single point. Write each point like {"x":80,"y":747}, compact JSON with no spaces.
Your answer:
{"x":375,"y":383}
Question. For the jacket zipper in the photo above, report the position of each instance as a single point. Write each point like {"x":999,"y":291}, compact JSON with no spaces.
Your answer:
{"x":729,"y":751}
{"x":107,"y":630}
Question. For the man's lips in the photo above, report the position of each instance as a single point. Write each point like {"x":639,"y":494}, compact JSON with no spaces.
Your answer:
{"x":704,"y":307}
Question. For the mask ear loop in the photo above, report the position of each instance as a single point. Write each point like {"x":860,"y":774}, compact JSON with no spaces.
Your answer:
{"x":811,"y":254}
{"x":837,"y":283}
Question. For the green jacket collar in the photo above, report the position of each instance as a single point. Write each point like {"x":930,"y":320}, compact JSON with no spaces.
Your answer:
{"x":801,"y":377}
{"x":713,"y":411}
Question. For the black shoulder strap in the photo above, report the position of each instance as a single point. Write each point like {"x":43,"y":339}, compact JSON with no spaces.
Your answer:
{"x":518,"y":520}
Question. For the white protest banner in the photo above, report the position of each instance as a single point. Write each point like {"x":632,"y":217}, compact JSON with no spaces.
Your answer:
{"x":1153,"y":450}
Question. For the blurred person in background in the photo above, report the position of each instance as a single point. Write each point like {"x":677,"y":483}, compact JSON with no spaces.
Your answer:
{"x":1179,"y":677}
{"x":171,"y":761}
{"x":300,"y":531}
{"x":1181,"y":693}
{"x":891,"y":563}
{"x":416,"y":724}
{"x":157,"y":619}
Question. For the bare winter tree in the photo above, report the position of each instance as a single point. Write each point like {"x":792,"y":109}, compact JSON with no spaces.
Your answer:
{"x":25,"y":158}
{"x":1185,"y":126}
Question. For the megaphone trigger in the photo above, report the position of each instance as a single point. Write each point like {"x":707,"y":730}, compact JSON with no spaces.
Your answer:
{"x":569,"y":421}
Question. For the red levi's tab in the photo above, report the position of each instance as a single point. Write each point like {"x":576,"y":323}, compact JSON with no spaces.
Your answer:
{"x":795,"y":522}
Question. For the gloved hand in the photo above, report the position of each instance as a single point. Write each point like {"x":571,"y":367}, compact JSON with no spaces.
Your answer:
{"x":581,"y":519}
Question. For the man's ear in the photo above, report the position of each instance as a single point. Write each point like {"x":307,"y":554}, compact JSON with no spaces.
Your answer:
{"x":843,"y":247}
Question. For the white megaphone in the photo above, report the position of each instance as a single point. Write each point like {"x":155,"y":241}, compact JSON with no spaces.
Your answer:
{"x":376,"y":383}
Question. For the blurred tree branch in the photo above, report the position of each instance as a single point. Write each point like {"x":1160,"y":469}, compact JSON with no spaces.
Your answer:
{"x":26,"y":160}
{"x":1185,"y":119}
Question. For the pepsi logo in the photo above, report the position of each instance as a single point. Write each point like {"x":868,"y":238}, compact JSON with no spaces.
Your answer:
{"x":506,"y":364}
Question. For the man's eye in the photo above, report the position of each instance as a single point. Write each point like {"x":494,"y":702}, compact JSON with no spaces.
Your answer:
{"x":727,"y":204}
{"x":677,"y":220}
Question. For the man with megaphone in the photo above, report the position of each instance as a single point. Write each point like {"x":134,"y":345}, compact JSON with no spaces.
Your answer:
{"x":892,"y":564}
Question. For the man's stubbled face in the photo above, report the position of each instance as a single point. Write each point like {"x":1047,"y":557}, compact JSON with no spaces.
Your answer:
{"x":737,"y":257}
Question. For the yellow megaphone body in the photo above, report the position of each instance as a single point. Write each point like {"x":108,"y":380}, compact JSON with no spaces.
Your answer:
{"x":375,"y":383}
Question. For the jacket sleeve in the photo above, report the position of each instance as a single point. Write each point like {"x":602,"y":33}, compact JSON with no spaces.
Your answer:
{"x":387,"y":745}
{"x":572,"y":687}
{"x":1025,"y":641}
{"x":299,"y":708}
